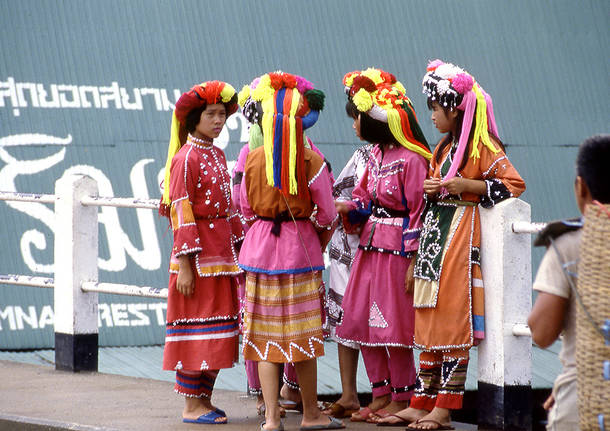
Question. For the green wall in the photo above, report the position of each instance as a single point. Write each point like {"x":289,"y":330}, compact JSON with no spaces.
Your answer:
{"x":544,"y":63}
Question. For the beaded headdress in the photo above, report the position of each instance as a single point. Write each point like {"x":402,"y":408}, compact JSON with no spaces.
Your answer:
{"x":206,"y":93}
{"x":289,"y":104}
{"x":378,"y":94}
{"x":454,"y":88}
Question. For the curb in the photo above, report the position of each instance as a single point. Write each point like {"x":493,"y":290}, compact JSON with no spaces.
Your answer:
{"x":24,"y":423}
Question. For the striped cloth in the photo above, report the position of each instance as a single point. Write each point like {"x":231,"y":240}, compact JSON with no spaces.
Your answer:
{"x":283,"y":317}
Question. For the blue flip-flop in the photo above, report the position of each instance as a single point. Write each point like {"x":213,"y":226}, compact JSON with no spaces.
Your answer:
{"x":208,"y":419}
{"x":220,"y":412}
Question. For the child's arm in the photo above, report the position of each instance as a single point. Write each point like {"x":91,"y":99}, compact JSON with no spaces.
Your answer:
{"x":547,"y":318}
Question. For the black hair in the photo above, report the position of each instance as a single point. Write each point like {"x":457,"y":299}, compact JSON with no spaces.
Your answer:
{"x":592,"y":166}
{"x":193,"y":118}
{"x":371,"y":130}
{"x":458,"y":131}
{"x":351,"y":110}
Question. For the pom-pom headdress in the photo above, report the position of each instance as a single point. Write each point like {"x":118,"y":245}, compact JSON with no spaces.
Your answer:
{"x":206,"y":93}
{"x":454,"y":88}
{"x":289,"y":105}
{"x":378,"y":94}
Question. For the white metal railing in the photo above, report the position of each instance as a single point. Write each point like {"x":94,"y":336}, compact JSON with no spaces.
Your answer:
{"x":120,"y":202}
{"x":521,"y":330}
{"x":124,"y":289}
{"x":26,"y":280}
{"x":27,"y":197}
{"x":76,"y":273}
{"x":76,"y":283}
{"x":524,"y":227}
{"x":527,"y":227}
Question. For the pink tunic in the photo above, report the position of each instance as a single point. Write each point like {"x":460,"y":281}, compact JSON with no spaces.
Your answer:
{"x":297,"y":249}
{"x":392,"y":187}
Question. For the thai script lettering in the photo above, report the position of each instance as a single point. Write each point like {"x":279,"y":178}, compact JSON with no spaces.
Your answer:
{"x":17,"y":95}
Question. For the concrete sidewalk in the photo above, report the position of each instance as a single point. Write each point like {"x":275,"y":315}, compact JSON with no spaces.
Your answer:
{"x":34,"y":397}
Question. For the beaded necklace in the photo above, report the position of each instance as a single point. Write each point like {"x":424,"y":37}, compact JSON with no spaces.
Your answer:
{"x":201,"y":142}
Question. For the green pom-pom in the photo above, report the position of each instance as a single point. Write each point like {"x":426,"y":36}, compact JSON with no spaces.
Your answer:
{"x":315,"y":99}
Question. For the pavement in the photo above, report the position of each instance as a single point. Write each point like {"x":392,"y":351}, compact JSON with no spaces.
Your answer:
{"x":37,"y":397}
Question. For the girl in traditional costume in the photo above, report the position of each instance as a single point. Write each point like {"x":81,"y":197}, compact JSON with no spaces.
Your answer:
{"x":377,"y":309}
{"x":282,"y":253}
{"x":202,"y":308}
{"x":341,"y":252}
{"x":468,"y":168}
{"x":252,"y":111}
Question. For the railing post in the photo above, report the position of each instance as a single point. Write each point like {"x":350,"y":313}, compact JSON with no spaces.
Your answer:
{"x":76,"y":252}
{"x":505,"y":360}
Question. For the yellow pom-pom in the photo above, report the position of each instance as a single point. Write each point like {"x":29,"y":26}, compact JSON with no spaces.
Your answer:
{"x":263,"y":90}
{"x":363,"y":101}
{"x":243,"y":95}
{"x":227,"y":92}
{"x":374,"y":75}
{"x":349,"y":79}
{"x":399,"y":87}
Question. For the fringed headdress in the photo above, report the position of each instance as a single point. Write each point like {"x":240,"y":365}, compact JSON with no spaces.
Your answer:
{"x":206,"y":93}
{"x":289,"y":105}
{"x":378,"y":94}
{"x":454,"y":88}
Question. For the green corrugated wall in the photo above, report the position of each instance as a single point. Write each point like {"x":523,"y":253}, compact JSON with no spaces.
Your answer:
{"x":546,"y":64}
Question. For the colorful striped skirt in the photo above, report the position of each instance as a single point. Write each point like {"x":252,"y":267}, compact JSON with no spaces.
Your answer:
{"x":283,"y":317}
{"x":202,"y":331}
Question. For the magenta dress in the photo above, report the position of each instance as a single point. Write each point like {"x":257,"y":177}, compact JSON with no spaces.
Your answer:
{"x":376,"y":311}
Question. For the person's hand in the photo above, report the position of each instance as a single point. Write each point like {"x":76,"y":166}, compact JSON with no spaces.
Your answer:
{"x":185,"y":283}
{"x":410,"y":279}
{"x":457,"y":185}
{"x":454,"y":186}
{"x":549,"y":403}
{"x":342,"y":207}
{"x":432,"y":186}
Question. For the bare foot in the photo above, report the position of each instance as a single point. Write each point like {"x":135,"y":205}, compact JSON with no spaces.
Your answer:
{"x":432,"y":420}
{"x":260,"y":405}
{"x":407,"y":415}
{"x":390,"y":409}
{"x":377,"y":404}
{"x":287,"y":393}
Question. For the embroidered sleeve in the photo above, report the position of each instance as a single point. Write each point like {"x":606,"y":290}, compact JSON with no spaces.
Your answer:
{"x":502,"y":179}
{"x":496,"y":192}
{"x":246,"y":210}
{"x":184,"y":176}
{"x":320,"y":187}
{"x":360,"y":205}
{"x":415,"y":173}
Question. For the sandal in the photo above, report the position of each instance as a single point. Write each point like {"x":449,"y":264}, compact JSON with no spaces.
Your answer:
{"x":280,"y":428}
{"x":336,"y":410}
{"x":400,"y":423}
{"x":376,"y":415}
